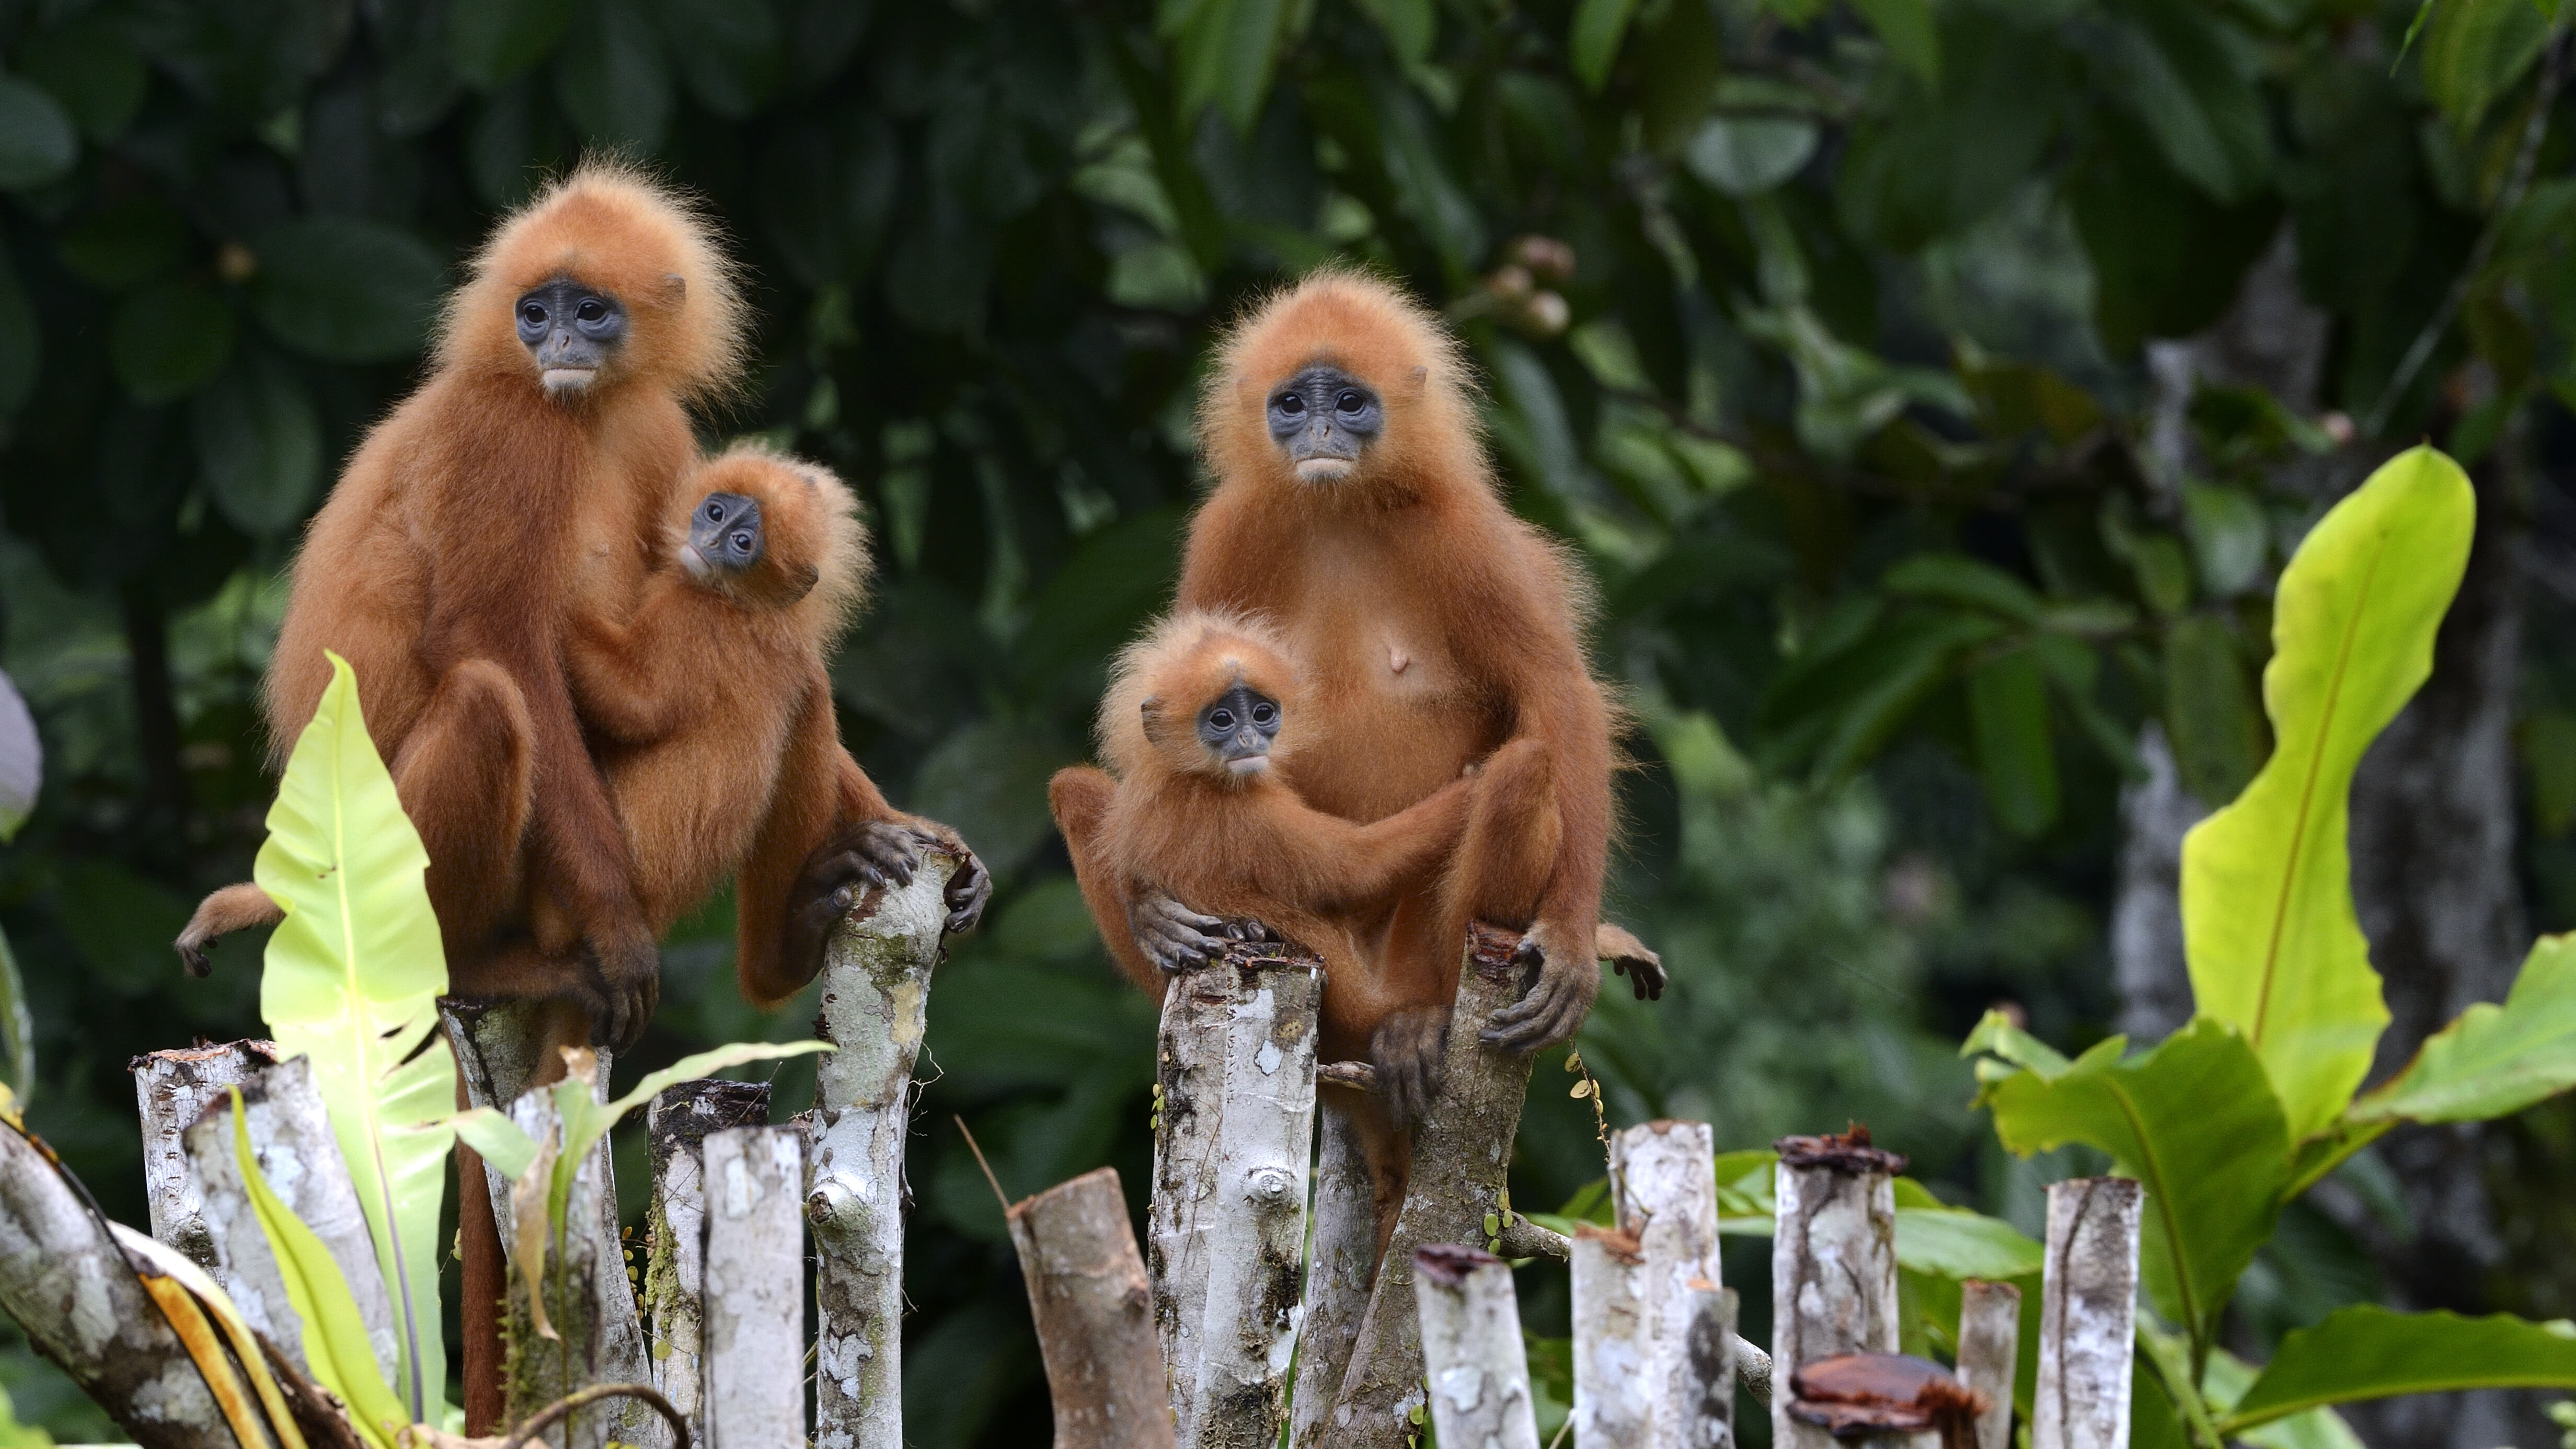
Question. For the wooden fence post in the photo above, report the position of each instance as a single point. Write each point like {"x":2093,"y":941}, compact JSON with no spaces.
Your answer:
{"x":755,"y":1284}
{"x":2087,"y":1315}
{"x":292,"y":1142}
{"x":1462,"y":1150}
{"x":1616,"y":1328}
{"x":1094,"y":1313}
{"x":172,"y":1089}
{"x":1664,"y":1189}
{"x":1341,"y":1266}
{"x":677,"y":1124}
{"x":1226,"y":1226}
{"x":1471,"y":1349}
{"x":1704,"y":1393}
{"x":1990,"y":1355}
{"x":876,"y":988}
{"x":1833,"y":1265}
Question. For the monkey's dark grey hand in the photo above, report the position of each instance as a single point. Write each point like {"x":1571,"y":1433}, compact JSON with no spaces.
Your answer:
{"x":1556,"y":1004}
{"x":967,"y":892}
{"x":1176,"y":938}
{"x":1406,"y":1050}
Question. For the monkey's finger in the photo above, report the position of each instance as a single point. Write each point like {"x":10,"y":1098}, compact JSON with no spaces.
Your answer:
{"x":1534,"y":1021}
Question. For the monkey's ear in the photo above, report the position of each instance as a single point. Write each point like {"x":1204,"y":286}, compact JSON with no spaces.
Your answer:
{"x":1421,"y":375}
{"x":1147,"y":709}
{"x":677,"y":286}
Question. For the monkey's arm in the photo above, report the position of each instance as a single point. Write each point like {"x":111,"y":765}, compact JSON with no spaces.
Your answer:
{"x":1079,"y":797}
{"x":1347,"y":867}
{"x":632,"y":687}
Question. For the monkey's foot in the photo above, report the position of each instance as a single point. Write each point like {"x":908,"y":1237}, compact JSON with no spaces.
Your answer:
{"x":1176,"y":938}
{"x":1631,"y":958}
{"x":1405,"y":1052}
{"x":623,"y":985}
{"x":1556,"y":1005}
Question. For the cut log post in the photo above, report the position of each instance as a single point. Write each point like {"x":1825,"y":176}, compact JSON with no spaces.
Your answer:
{"x":1094,"y":1313}
{"x":677,"y":1125}
{"x":1616,"y":1366}
{"x":1990,"y":1355}
{"x":1663,"y":1183}
{"x":292,"y":1142}
{"x":1462,"y":1150}
{"x":1704,"y":1393}
{"x":68,"y":1285}
{"x":1341,"y":1265}
{"x":1833,"y":1264}
{"x":1471,"y":1349}
{"x":2087,"y":1315}
{"x":755,"y":1277}
{"x":171,"y":1091}
{"x":1227,"y":1223}
{"x":876,"y":993}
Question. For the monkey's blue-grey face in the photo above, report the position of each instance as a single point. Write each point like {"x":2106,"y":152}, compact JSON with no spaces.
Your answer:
{"x":571,"y":331}
{"x":1238,"y":727}
{"x":1323,"y":419}
{"x":725,"y":537}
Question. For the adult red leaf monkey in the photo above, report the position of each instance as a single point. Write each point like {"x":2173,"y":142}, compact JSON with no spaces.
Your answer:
{"x":1356,"y":511}
{"x":1202,"y":718}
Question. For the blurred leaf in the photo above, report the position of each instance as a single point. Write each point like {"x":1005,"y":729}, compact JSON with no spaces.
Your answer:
{"x":2209,"y":709}
{"x":2176,"y":69}
{"x":21,"y":346}
{"x":1954,"y":1243}
{"x":248,"y":59}
{"x":1599,"y":26}
{"x":2494,"y":1060}
{"x":612,"y":79}
{"x":2166,"y":256}
{"x":1944,"y":159}
{"x":37,"y":144}
{"x":828,"y":193}
{"x":2475,"y":51}
{"x":1410,"y":26}
{"x":2548,"y":750}
{"x":988,"y":782}
{"x":169,"y":341}
{"x":2008,"y":706}
{"x":259,"y":444}
{"x":2195,"y":1121}
{"x":344,"y":288}
{"x":17,"y":1027}
{"x":1223,"y":52}
{"x":1845,"y":705}
{"x":1958,"y":579}
{"x":2229,"y":536}
{"x":1677,"y":74}
{"x":2266,"y":883}
{"x":731,"y":52}
{"x":90,"y":66}
{"x":125,"y":244}
{"x":493,"y":40}
{"x":1743,"y":155}
{"x":1906,"y":28}
{"x":122,"y":923}
{"x":1095,"y":601}
{"x":2369,"y":1352}
{"x":22,"y":761}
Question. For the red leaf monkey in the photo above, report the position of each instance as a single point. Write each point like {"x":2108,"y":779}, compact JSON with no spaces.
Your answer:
{"x":518,"y":499}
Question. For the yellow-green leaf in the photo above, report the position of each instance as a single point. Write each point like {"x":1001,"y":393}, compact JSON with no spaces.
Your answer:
{"x":2494,"y":1059}
{"x":2266,"y":897}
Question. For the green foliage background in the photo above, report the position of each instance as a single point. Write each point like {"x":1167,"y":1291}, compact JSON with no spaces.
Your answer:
{"x":1844,"y":407}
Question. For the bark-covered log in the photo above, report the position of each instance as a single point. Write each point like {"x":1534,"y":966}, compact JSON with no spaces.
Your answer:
{"x":172,"y":1090}
{"x":1990,"y":1355}
{"x":1664,"y":1185}
{"x":1473,"y":1358}
{"x":2087,"y":1315}
{"x":292,"y":1142}
{"x":677,"y":1124}
{"x":1704,"y":1390}
{"x":1225,"y":1231}
{"x":1094,"y":1313}
{"x":1341,"y":1266}
{"x":1461,"y":1152}
{"x":70,"y":1289}
{"x":1617,"y":1326}
{"x":1833,"y":1264}
{"x":876,"y":992}
{"x":755,"y":1277}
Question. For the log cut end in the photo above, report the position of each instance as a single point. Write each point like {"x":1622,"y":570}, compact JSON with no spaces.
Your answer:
{"x":1449,"y":1263}
{"x":1846,"y":1152}
{"x":1856,"y":1395}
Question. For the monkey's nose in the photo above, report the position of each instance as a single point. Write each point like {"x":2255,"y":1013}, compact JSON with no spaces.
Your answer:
{"x":1249,"y":742}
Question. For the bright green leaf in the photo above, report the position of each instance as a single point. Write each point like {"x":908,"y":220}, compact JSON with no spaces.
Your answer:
{"x":2266,"y":897}
{"x":504,"y":1144}
{"x":37,"y":144}
{"x":2197,"y":1124}
{"x":353,"y":977}
{"x":2474,"y":51}
{"x":345,"y":289}
{"x":17,"y":1026}
{"x":170,"y":341}
{"x":2494,"y":1060}
{"x":1906,"y":28}
{"x":2369,"y":1352}
{"x":259,"y":444}
{"x":1997,"y":1034}
{"x":22,"y":759}
{"x":2008,"y":713}
{"x":2228,"y":1379}
{"x":1599,"y":26}
{"x":1951,"y":1243}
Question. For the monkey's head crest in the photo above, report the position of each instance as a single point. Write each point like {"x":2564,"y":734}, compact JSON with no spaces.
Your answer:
{"x":1342,"y":389}
{"x":1204,"y":693}
{"x":605,"y":279}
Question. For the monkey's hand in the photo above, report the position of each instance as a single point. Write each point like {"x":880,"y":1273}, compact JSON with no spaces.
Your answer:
{"x":1556,"y":1004}
{"x":969,"y":888}
{"x":1631,"y":958}
{"x":1406,"y":1050}
{"x":1176,"y":938}
{"x":622,"y":986}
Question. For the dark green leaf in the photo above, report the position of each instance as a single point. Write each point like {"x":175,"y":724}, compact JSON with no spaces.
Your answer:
{"x":2494,"y":1060}
{"x":2209,"y":715}
{"x":1410,"y":26}
{"x":345,"y":289}
{"x":122,"y":923}
{"x":167,"y":342}
{"x":90,"y":66}
{"x":125,"y":244}
{"x":1843,"y":707}
{"x":731,"y":52}
{"x":988,"y":781}
{"x":21,"y":345}
{"x":37,"y":144}
{"x":22,"y":761}
{"x":259,"y":444}
{"x":612,"y":79}
{"x":248,"y":59}
{"x":1942,"y":160}
{"x":1906,"y":28}
{"x":2177,"y":70}
{"x":1105,"y":589}
{"x":2474,"y":51}
{"x":1958,"y":579}
{"x":828,"y":192}
{"x":2369,"y":1352}
{"x":492,"y":41}
{"x":1678,"y":69}
{"x":1744,"y":155}
{"x":2166,"y":256}
{"x":2008,"y":706}
{"x":1599,"y":26}
{"x":2229,"y":536}
{"x":2548,"y":749}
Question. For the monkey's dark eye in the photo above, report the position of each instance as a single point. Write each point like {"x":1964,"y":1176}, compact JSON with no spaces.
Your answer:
{"x":1223,"y":719}
{"x":742,"y":542}
{"x":1291,"y":404}
{"x":1350,"y":402}
{"x":1263,"y":714}
{"x":533,"y":315}
{"x":590,"y":310}
{"x":715,"y":513}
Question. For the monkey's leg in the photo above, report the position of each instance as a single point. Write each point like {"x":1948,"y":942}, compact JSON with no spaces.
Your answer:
{"x":1388,"y":1150}
{"x":465,"y":775}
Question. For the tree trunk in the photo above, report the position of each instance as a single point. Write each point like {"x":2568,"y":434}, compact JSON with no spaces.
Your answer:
{"x":1471,"y":1349}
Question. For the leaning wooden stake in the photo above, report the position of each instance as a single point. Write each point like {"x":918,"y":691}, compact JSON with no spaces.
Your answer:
{"x":2087,"y":1316}
{"x":1616,"y":1331}
{"x":1471,"y":1349}
{"x":292,"y":1143}
{"x":677,"y":1125}
{"x":1461,"y":1152}
{"x":755,"y":1277}
{"x":1833,"y":1264}
{"x":876,"y":989}
{"x":1094,"y":1315}
{"x":1990,"y":1355}
{"x":1341,"y":1266}
{"x":1227,"y":1224}
{"x":172,"y":1090}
